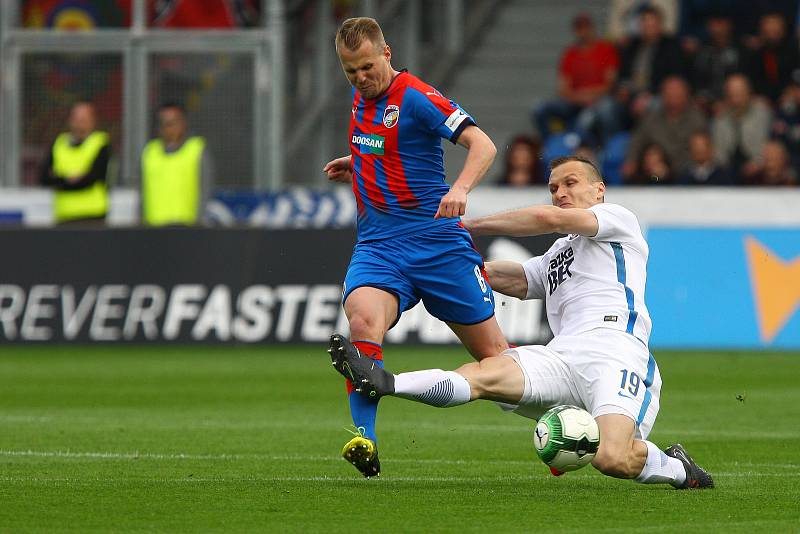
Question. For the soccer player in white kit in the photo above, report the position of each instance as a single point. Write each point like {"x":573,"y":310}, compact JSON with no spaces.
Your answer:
{"x":593,"y":282}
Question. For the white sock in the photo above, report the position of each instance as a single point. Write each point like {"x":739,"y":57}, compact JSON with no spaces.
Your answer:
{"x":434,"y":387}
{"x":660,"y":468}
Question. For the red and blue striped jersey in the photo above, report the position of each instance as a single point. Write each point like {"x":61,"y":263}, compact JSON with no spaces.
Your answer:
{"x":397,"y":156}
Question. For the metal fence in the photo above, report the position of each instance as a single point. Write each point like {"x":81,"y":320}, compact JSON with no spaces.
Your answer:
{"x":268,"y":98}
{"x":230,"y":81}
{"x":218,"y":93}
{"x":50,"y":83}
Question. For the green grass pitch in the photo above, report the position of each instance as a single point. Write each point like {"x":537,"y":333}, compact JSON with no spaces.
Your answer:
{"x":247,"y":439}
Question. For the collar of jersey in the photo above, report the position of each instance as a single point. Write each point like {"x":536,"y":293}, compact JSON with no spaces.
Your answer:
{"x":387,"y":90}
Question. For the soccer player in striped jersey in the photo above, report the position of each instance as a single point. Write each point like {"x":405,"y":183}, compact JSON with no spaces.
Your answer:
{"x":593,"y":283}
{"x":411,"y":243}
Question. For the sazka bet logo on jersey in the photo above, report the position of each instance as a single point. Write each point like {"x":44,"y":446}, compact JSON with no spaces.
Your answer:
{"x":559,"y":269}
{"x":391,"y":115}
{"x":369,"y":143}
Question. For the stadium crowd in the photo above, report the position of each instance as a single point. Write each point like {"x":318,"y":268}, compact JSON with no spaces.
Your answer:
{"x":695,"y":92}
{"x":684,"y":92}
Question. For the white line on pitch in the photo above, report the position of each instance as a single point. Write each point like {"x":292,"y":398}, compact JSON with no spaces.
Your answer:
{"x":428,"y":427}
{"x":230,"y":457}
{"x":385,"y":479}
{"x":286,"y":458}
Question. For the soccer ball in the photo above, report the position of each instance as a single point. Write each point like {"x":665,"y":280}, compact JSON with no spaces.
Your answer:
{"x":566,"y":438}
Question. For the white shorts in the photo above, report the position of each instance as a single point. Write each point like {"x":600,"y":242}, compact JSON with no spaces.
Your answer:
{"x":603,"y":371}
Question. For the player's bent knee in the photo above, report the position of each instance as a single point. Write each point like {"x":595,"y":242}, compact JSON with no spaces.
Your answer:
{"x":363,"y":326}
{"x":614,"y":463}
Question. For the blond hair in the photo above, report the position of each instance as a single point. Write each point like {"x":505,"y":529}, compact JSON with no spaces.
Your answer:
{"x":354,"y":31}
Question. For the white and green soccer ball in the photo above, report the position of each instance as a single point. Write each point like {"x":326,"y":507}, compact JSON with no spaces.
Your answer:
{"x":566,"y":438}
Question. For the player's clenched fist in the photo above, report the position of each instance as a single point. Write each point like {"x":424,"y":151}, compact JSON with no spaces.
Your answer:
{"x":339,"y":170}
{"x":453,"y":204}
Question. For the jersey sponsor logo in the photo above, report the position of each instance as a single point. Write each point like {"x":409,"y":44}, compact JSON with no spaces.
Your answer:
{"x":559,"y":269}
{"x":610,"y":318}
{"x":369,"y":143}
{"x":455,"y":119}
{"x":391,"y":115}
{"x":775,"y":284}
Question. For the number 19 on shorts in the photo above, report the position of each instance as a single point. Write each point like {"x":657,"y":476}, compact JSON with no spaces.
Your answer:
{"x":630,"y":382}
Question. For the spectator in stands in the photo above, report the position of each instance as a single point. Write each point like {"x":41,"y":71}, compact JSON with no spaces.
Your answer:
{"x":176,"y":172}
{"x":624,"y":18}
{"x":670,"y":126}
{"x":720,"y":57}
{"x":775,"y":60}
{"x":653,"y":167}
{"x":741,"y":128}
{"x":587,"y":72}
{"x":76,"y":167}
{"x":748,"y":14}
{"x":522,"y":166}
{"x":703,"y":169}
{"x":774,"y":167}
{"x":645,"y":62}
{"x":744,"y":15}
{"x":786,"y":126}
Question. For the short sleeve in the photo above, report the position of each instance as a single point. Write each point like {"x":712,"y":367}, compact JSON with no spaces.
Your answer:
{"x":616,"y":224}
{"x":533,"y":273}
{"x":437,"y":114}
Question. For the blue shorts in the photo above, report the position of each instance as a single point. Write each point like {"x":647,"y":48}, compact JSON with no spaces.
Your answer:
{"x":441,"y":267}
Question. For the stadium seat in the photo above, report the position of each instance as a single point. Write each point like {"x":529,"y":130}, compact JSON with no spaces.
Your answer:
{"x":557,"y":146}
{"x":614,"y":156}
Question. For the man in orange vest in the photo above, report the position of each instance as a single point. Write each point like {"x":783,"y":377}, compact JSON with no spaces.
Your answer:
{"x":76,"y":168}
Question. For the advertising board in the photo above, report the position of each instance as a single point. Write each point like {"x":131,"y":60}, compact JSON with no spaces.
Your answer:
{"x":206,"y":285}
{"x":718,"y":288}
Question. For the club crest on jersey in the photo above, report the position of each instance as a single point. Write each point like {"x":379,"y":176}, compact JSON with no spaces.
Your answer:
{"x":391,"y":115}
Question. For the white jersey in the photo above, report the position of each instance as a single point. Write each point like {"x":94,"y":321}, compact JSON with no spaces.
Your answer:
{"x":595,"y":282}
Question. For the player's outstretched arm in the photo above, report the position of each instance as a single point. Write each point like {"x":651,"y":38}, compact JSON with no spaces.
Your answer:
{"x":339,"y":170}
{"x":480,"y":155}
{"x":508,"y":278}
{"x":536,"y":220}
